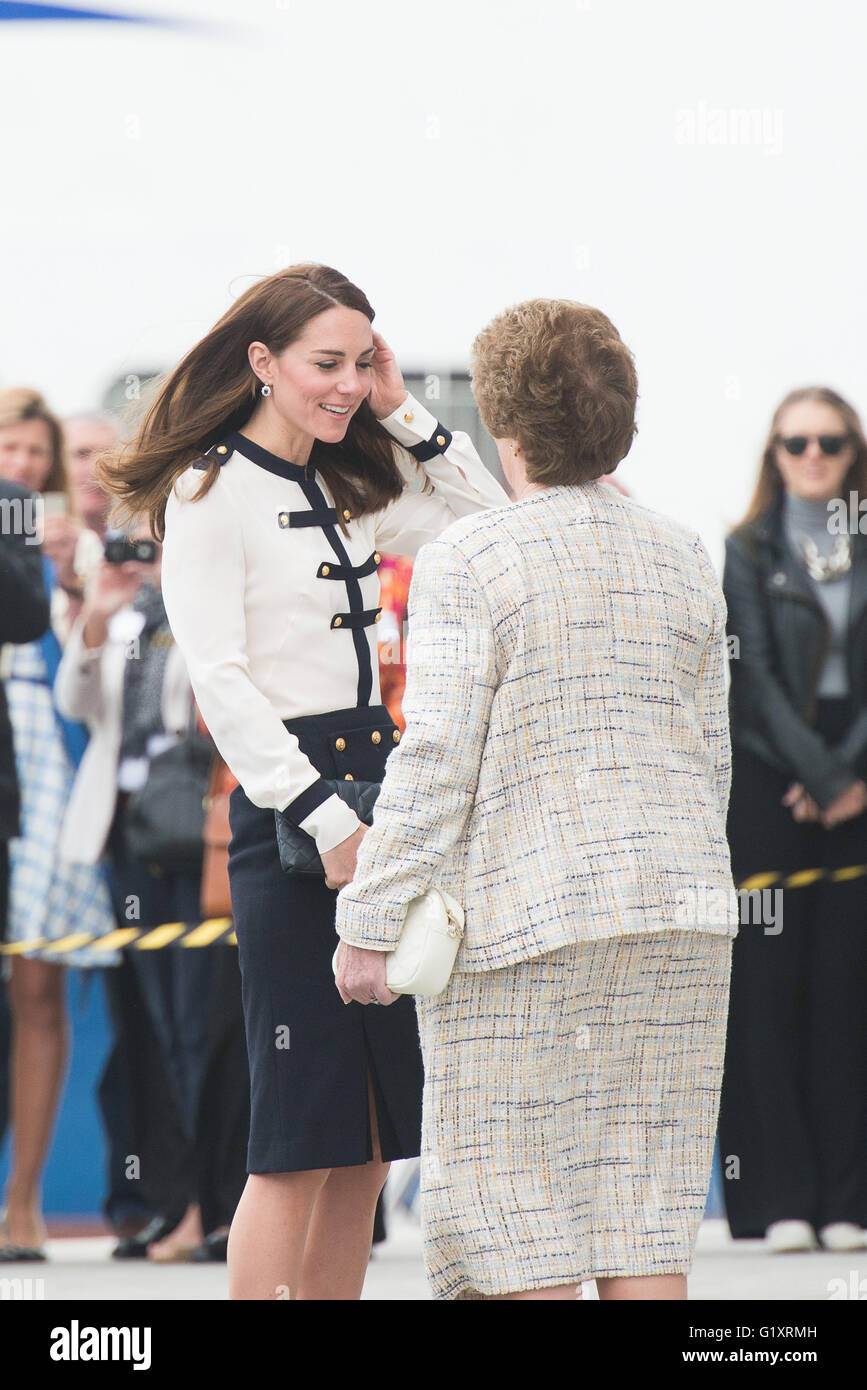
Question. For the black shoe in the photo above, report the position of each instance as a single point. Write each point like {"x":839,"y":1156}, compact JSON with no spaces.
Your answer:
{"x":136,"y":1248}
{"x":213,"y":1249}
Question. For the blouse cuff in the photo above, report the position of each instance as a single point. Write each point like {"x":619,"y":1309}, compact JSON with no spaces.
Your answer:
{"x":330,"y":823}
{"x":414,"y":427}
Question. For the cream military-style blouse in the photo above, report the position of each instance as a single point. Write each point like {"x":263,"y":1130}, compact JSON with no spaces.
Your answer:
{"x":275,"y":609}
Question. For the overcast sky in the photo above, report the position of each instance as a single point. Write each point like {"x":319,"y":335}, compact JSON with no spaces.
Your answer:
{"x":694,"y":169}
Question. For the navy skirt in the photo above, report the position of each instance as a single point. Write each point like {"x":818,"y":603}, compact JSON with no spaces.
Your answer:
{"x":310,"y":1054}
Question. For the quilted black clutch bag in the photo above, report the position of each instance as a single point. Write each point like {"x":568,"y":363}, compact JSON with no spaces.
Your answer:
{"x":298,"y":852}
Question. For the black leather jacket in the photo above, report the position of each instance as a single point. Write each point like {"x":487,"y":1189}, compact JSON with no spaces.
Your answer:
{"x":783,"y":636}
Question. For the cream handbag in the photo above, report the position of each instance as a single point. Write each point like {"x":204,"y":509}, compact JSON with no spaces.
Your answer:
{"x":423,"y":959}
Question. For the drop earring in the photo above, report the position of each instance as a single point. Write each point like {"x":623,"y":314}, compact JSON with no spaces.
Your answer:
{"x":266,"y":389}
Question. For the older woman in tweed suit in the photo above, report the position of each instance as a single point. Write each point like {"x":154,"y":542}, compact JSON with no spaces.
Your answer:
{"x":565,"y":774}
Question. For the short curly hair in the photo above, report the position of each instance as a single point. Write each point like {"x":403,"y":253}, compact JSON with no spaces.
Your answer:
{"x":556,"y":375}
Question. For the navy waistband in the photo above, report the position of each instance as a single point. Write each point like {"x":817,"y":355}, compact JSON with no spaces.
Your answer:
{"x":356,"y":717}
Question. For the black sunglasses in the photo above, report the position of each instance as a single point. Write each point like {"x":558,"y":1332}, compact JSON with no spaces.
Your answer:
{"x":830,"y":444}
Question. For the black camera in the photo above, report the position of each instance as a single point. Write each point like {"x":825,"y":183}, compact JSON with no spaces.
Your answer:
{"x":119,"y":549}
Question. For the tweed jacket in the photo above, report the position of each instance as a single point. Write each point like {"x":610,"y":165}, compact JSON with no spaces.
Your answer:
{"x":566,"y":763}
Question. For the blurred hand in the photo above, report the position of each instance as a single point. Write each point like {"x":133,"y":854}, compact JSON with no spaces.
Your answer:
{"x":849,"y":804}
{"x":387,"y":390}
{"x":360,"y":975}
{"x":339,"y":862}
{"x":112,"y":586}
{"x":803,"y":807}
{"x":59,"y":539}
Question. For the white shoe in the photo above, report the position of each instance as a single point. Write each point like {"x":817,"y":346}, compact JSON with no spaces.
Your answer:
{"x":781,"y":1237}
{"x":842,"y":1235}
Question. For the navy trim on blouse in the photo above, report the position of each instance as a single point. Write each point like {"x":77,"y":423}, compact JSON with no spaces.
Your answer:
{"x":294,"y":472}
{"x":316,"y":498}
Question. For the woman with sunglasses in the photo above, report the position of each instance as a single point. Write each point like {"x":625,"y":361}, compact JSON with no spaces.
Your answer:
{"x":793,"y":1118}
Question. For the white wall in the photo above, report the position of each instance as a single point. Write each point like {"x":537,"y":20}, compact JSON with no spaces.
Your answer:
{"x":455,"y":157}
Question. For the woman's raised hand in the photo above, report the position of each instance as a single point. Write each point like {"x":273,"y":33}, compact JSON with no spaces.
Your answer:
{"x":387,"y":390}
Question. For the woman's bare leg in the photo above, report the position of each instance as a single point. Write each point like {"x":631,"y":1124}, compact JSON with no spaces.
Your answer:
{"x":658,"y":1287}
{"x":37,"y":1069}
{"x":269,"y":1231}
{"x":562,"y":1292}
{"x":341,"y":1228}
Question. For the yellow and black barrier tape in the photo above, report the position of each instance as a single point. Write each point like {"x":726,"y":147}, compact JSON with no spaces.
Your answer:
{"x":803,"y":878}
{"x":214,"y":929}
{"x":186,"y":934}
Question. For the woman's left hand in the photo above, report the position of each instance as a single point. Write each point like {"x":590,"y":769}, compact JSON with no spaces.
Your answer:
{"x":360,"y":975}
{"x":387,"y":390}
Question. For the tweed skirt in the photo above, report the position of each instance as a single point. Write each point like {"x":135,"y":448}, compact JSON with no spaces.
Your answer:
{"x":569,"y":1113}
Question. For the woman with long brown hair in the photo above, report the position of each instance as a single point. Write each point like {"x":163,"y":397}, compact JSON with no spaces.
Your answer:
{"x":793,"y":1118}
{"x":276,"y":461}
{"x":50,"y":897}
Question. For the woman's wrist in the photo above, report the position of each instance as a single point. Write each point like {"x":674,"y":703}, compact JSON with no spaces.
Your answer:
{"x":396,"y":406}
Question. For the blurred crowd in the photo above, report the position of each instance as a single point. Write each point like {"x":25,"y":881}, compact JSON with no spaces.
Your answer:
{"x":99,"y":731}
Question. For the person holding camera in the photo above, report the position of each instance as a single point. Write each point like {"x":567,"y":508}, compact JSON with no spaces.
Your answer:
{"x":123,"y":673}
{"x":50,"y":897}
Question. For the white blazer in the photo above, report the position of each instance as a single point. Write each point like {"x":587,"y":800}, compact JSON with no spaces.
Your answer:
{"x":89,"y":687}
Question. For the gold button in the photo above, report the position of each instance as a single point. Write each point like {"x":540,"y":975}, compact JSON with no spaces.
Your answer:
{"x":222,"y":449}
{"x":376,"y":557}
{"x":441,"y":439}
{"x":378,"y":616}
{"x":337,"y":622}
{"x":376,"y":736}
{"x":396,"y":735}
{"x":409,"y":417}
{"x":326,"y":569}
{"x":349,"y":777}
{"x":340,"y":744}
{"x":347,"y":516}
{"x":283,"y":519}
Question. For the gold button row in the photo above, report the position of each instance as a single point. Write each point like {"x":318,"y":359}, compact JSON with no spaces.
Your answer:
{"x":375,"y":737}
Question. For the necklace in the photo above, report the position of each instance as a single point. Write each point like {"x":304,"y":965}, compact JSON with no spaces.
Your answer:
{"x":820,"y":567}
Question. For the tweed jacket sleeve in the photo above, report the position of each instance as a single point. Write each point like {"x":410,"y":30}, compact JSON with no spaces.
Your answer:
{"x":711,"y":697}
{"x":431,"y":777}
